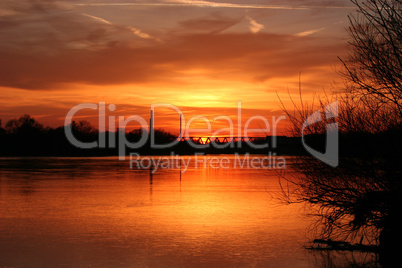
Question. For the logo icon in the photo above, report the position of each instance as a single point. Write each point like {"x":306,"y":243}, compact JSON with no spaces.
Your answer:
{"x":331,"y":155}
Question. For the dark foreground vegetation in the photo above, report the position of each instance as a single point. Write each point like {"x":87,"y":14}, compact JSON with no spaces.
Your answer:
{"x":358,"y":203}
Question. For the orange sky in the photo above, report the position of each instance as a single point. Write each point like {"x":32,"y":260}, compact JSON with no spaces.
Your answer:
{"x":201,"y":56}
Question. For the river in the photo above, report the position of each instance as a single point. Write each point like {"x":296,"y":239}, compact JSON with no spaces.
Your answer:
{"x":102,"y":212}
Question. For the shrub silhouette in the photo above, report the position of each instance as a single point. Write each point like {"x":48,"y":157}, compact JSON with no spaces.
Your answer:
{"x":360,"y":200}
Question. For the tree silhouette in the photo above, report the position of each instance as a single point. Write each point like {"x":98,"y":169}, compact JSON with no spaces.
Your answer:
{"x":24,"y":136}
{"x":24,"y":125}
{"x":374,"y":66}
{"x":360,"y":200}
{"x":84,"y":127}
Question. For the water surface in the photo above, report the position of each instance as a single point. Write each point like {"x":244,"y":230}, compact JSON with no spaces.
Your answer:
{"x":97,"y":212}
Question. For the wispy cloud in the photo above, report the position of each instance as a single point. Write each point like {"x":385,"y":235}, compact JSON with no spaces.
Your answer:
{"x":255,"y":27}
{"x":196,"y":3}
{"x":97,"y":18}
{"x":141,"y":34}
{"x":225,"y":57}
{"x":310,"y":32}
{"x":210,"y":24}
{"x":204,"y":3}
{"x":135,"y":31}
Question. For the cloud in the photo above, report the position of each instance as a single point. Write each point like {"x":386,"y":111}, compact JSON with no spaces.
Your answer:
{"x":310,"y":32}
{"x":98,"y":19}
{"x":243,"y":56}
{"x":202,"y":3}
{"x":197,"y":3}
{"x":278,"y":4}
{"x":255,"y":27}
{"x":48,"y":28}
{"x":51,"y":46}
{"x":135,"y":31}
{"x":212,"y":24}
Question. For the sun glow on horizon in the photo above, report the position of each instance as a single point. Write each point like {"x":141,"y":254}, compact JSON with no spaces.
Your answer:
{"x":204,"y":61}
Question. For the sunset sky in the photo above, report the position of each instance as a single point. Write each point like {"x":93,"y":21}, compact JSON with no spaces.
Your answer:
{"x":202,"y":56}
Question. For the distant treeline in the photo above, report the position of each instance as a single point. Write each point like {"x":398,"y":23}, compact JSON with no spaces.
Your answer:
{"x":25,"y":136}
